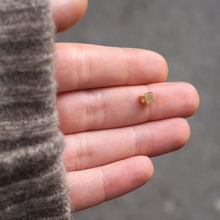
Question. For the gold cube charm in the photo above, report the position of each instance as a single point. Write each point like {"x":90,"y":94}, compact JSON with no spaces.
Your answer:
{"x":147,"y":98}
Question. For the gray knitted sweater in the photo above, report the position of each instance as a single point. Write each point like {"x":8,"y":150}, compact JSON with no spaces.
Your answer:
{"x":32,"y":175}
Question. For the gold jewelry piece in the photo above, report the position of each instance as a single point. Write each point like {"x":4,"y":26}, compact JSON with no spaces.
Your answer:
{"x":147,"y":98}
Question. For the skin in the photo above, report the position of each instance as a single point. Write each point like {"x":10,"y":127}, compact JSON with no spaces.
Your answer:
{"x":109,"y":135}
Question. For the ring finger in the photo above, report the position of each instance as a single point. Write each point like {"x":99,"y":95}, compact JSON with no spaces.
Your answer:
{"x":86,"y":150}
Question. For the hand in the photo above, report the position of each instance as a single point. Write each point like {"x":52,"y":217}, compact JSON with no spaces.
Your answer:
{"x":109,"y":135}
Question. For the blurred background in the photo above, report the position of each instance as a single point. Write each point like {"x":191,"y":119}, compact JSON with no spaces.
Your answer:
{"x":186,"y":183}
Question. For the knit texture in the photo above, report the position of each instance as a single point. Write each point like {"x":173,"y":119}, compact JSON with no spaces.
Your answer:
{"x":32,"y":174}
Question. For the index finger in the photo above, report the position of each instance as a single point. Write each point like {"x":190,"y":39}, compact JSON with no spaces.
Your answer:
{"x":82,"y":66}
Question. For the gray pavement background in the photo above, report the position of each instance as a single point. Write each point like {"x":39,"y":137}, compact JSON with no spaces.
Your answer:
{"x":186,"y":183}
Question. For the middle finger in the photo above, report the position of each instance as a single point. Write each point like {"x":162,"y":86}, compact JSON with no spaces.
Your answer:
{"x":120,"y":106}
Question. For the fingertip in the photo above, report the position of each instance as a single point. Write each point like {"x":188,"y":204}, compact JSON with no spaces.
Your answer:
{"x":150,"y":168}
{"x":183,"y":132}
{"x":145,"y":168}
{"x":162,"y":65}
{"x":197,"y":99}
{"x":187,"y":132}
{"x":193,"y":98}
{"x":146,"y":66}
{"x":166,"y":68}
{"x":67,"y":12}
{"x":133,"y":173}
{"x":188,"y":97}
{"x":159,"y":67}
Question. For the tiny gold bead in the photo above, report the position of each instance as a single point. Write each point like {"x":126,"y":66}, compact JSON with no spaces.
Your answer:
{"x":143,"y":101}
{"x":147,"y":98}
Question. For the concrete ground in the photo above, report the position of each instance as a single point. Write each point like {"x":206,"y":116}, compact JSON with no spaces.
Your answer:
{"x":186,"y":183}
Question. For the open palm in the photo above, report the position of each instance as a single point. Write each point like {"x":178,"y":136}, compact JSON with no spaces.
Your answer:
{"x":109,"y":135}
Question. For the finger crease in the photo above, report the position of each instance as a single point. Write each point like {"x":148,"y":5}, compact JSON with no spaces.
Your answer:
{"x":77,"y":149}
{"x":83,"y":153}
{"x":103,"y":107}
{"x":150,"y":144}
{"x":96,"y":110}
{"x":87,"y":154}
{"x":106,"y":183}
{"x":89,"y":70}
{"x":77,"y":66}
{"x":88,"y":111}
{"x":84,"y":69}
{"x":128,"y":66}
{"x":137,"y":145}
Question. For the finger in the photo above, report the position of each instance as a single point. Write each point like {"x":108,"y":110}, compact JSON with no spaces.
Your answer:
{"x":88,"y":150}
{"x":81,"y":66}
{"x":94,"y":186}
{"x":120,"y":106}
{"x":67,"y":12}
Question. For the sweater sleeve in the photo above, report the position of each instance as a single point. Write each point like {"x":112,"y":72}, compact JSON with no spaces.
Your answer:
{"x":32,"y":174}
